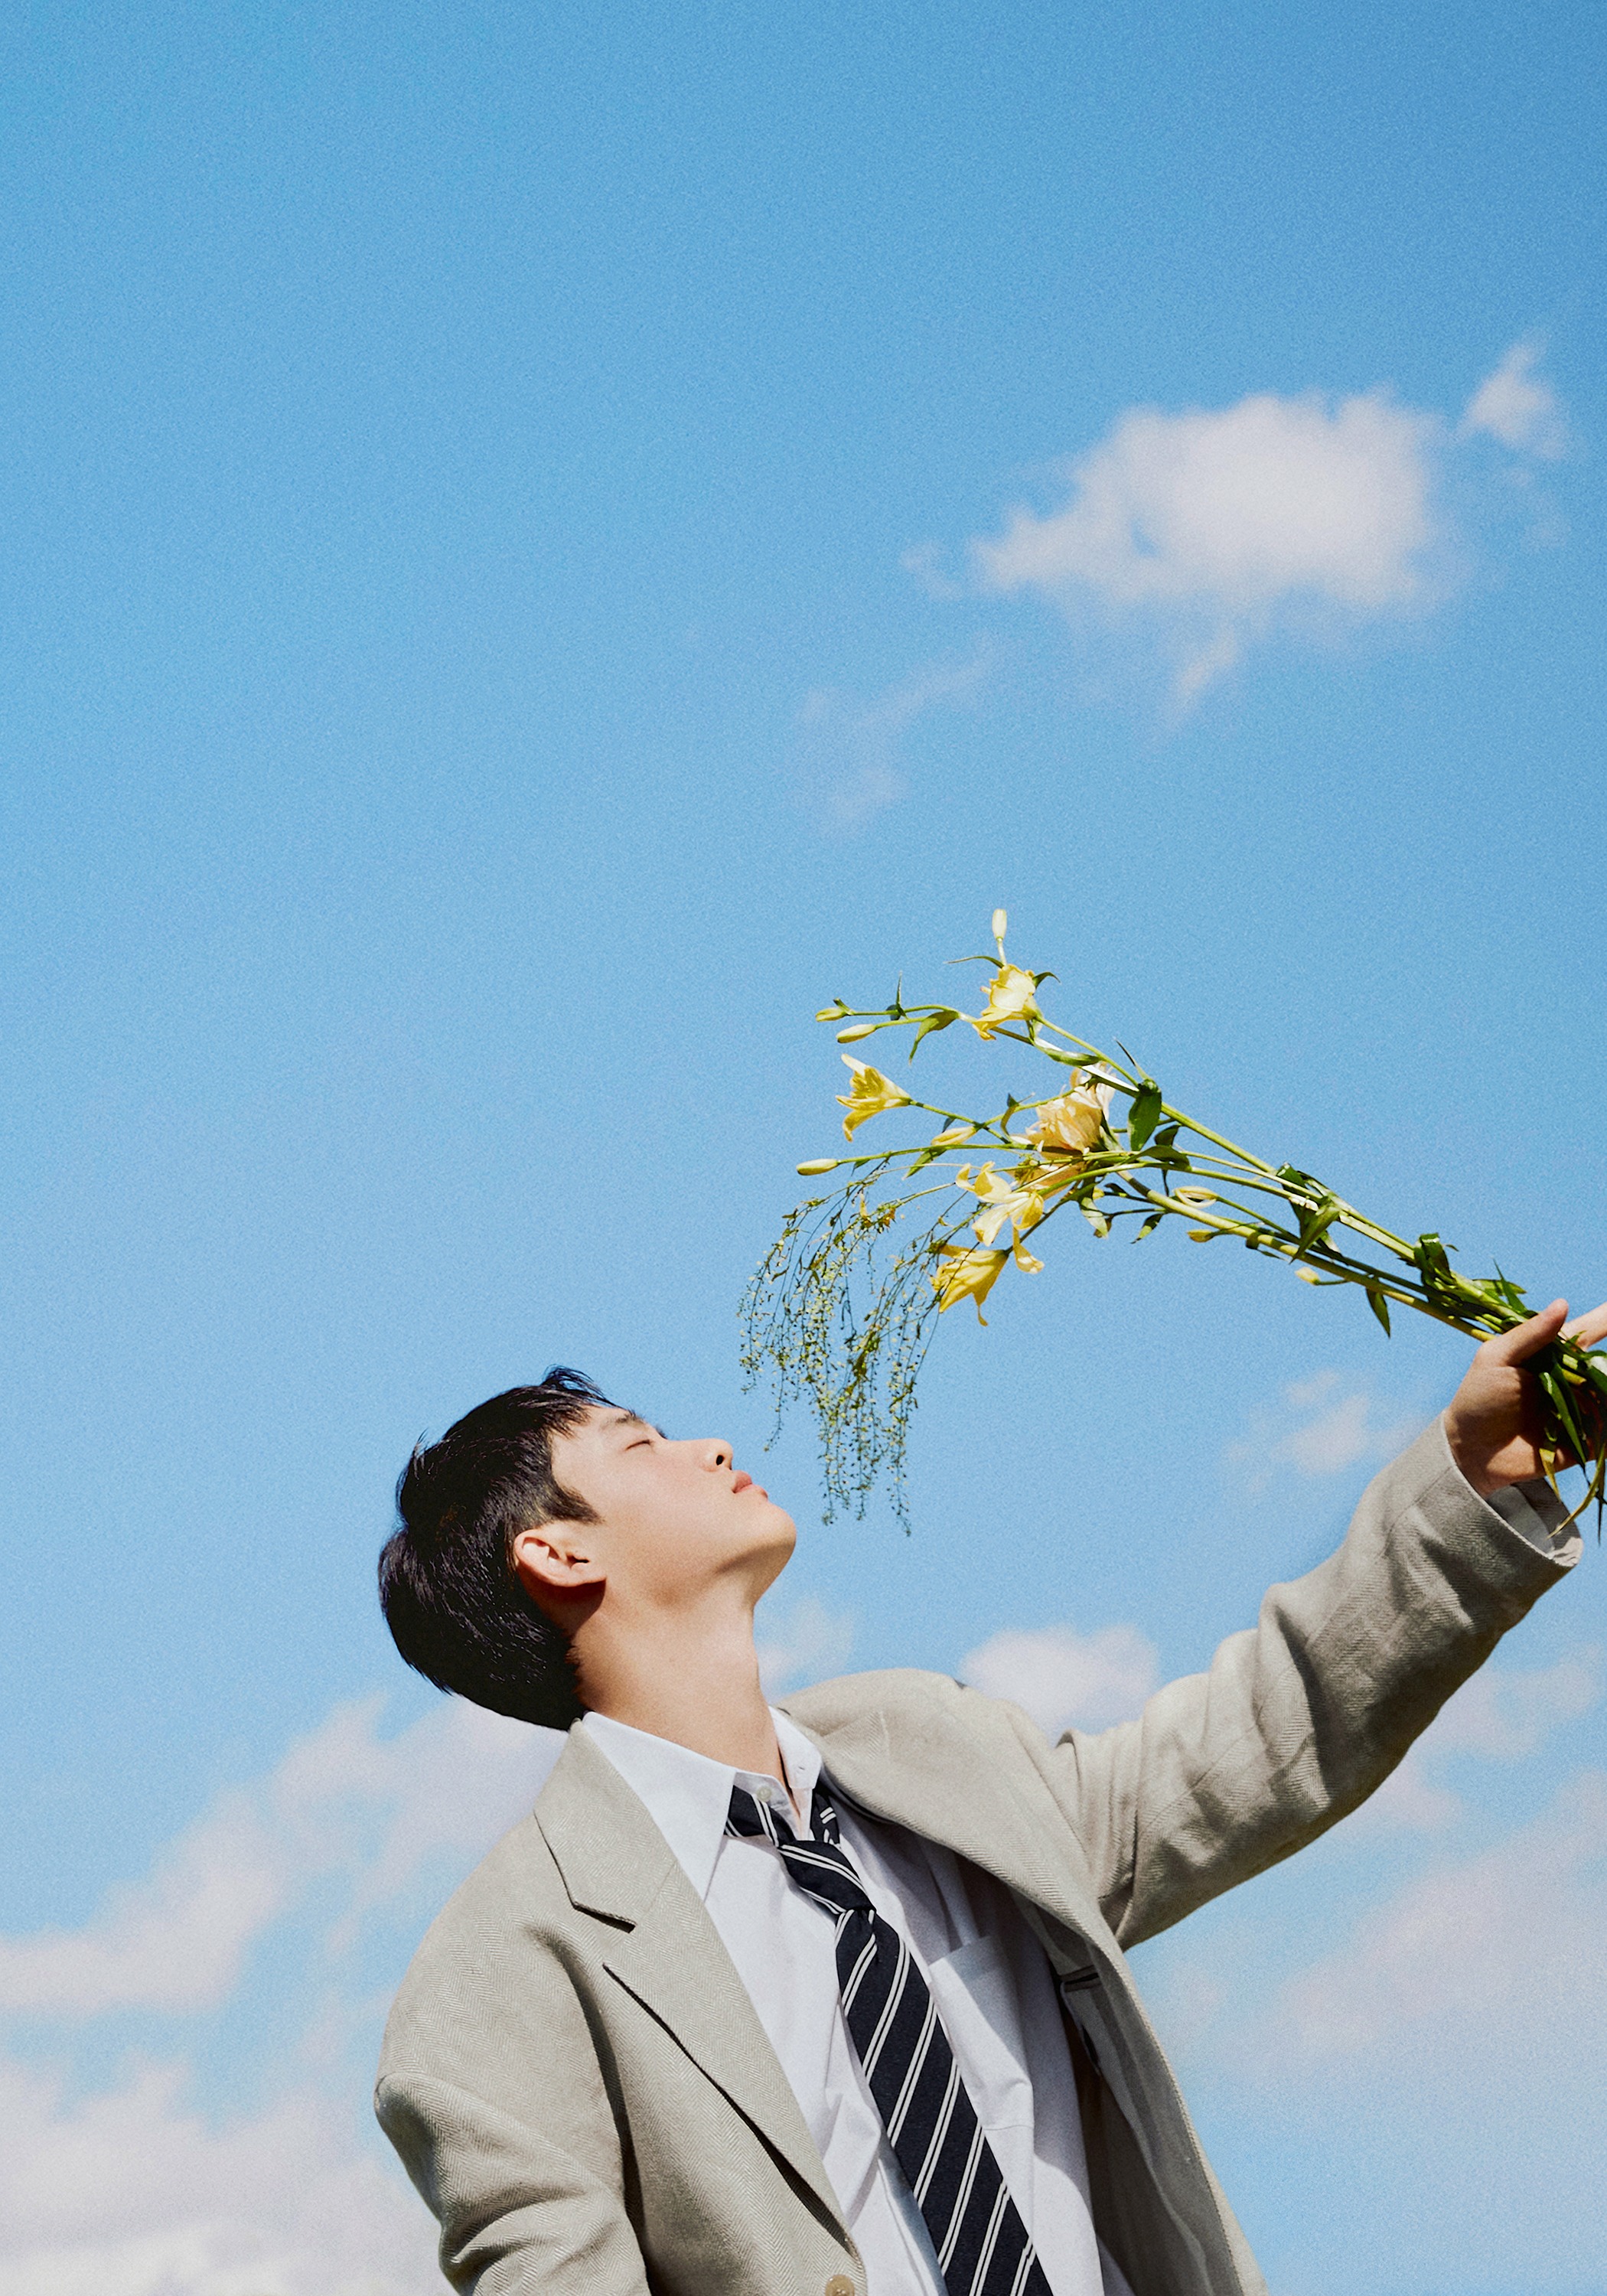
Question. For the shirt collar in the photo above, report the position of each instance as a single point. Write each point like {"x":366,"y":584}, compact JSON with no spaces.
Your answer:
{"x":688,"y":1796}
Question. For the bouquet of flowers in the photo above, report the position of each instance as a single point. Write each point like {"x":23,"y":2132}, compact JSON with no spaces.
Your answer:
{"x":844,"y":1305}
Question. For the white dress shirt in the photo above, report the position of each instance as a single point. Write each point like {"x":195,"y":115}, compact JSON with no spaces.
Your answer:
{"x":988,"y":1976}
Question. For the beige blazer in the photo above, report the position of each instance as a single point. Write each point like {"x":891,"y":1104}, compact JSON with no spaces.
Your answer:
{"x":579,"y":2085}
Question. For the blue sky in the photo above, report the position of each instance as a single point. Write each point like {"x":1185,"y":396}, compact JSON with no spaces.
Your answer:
{"x":536,"y":545}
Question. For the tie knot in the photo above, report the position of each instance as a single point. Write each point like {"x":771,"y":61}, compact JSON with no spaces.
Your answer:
{"x":751,"y":1817}
{"x":815,"y":1860}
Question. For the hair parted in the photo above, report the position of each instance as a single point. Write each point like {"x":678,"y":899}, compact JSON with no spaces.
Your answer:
{"x":451,"y":1596}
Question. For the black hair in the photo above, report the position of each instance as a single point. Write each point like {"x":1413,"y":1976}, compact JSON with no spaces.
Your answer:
{"x":448,"y":1587}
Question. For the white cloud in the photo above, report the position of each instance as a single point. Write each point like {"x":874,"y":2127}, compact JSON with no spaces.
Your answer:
{"x":1214,"y":528}
{"x":1503,"y":1714}
{"x":850,"y":762}
{"x":176,"y":1940}
{"x":1506,"y":1945}
{"x":925,"y":562}
{"x":130,"y":2192}
{"x":1501,"y":1950}
{"x":1428,"y":2092}
{"x":1061,"y":1677}
{"x":809,"y":1645}
{"x":1238,"y":508}
{"x":1410,"y":1800}
{"x":1215,"y":521}
{"x":127,"y":2189}
{"x":1517,"y":407}
{"x":1321,"y":1427}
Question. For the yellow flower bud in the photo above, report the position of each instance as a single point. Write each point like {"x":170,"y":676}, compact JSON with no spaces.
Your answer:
{"x":818,"y":1164}
{"x":1000,"y":920}
{"x":860,"y":1029}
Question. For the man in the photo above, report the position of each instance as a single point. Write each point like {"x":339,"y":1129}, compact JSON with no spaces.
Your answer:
{"x":829,"y":2000}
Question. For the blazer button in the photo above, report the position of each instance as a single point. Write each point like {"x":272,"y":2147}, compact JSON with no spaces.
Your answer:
{"x":839,"y":2285}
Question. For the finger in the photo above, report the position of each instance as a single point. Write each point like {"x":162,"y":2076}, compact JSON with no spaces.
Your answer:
{"x":1589,"y":1329}
{"x":1525,"y":1339}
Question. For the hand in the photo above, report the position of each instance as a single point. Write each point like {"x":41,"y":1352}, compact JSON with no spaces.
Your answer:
{"x":1493,"y":1421}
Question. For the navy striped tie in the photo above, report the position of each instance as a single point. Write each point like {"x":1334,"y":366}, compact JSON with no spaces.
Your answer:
{"x":982,"y":2245}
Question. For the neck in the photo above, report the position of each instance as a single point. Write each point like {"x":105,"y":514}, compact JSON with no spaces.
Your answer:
{"x":691,"y":1677}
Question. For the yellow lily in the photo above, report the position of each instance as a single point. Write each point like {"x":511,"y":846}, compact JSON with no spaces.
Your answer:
{"x":1072,"y":1124}
{"x":1022,"y":1206}
{"x":871,"y":1094}
{"x":1011,"y":996}
{"x":964,"y":1274}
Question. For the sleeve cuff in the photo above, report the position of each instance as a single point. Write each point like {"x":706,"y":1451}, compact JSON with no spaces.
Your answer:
{"x":1534,"y":1511}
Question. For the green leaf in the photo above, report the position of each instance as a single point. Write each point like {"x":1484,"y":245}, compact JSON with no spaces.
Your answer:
{"x":1166,"y":1138}
{"x":1315,"y":1224}
{"x":1594,"y":1369}
{"x":945,"y":1018}
{"x":1145,"y":1113}
{"x":1429,"y":1255}
{"x":1557,"y":1418}
{"x":1380,"y":1306}
{"x":1149,"y":1226}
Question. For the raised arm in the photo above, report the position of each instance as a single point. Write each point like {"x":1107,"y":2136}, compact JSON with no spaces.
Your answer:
{"x":1301,"y":1718}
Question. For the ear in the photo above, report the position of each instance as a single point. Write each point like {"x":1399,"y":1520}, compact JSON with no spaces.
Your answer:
{"x":555,"y":1565}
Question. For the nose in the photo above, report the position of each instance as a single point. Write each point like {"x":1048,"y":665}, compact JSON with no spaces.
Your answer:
{"x":718,"y":1454}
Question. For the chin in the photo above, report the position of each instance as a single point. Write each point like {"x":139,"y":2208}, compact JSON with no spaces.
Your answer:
{"x":773,"y":1547}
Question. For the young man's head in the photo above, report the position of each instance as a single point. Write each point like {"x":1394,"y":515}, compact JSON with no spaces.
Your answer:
{"x":547,"y":1523}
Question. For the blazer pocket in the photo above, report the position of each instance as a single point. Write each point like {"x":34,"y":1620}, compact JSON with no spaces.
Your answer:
{"x":975,"y":1990}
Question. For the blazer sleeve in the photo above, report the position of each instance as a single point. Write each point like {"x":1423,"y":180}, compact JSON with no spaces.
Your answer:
{"x":1301,"y":1718}
{"x":519,"y":2216}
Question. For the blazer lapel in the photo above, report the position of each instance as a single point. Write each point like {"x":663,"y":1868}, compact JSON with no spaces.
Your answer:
{"x":950,"y":1785}
{"x":666,"y":1951}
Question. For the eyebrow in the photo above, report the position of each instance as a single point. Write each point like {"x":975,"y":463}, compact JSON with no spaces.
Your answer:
{"x":634,"y":1419}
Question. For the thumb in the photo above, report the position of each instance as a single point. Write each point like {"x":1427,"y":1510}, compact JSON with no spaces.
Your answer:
{"x":1526,"y":1340}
